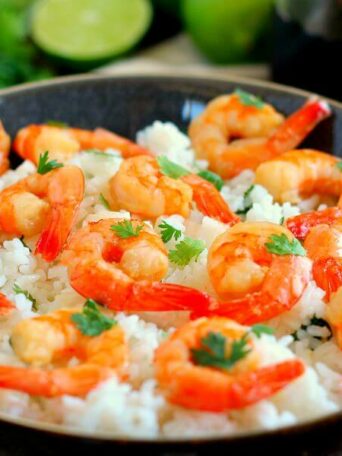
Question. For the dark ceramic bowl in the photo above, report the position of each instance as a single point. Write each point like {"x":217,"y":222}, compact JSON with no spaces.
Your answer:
{"x":126,"y":105}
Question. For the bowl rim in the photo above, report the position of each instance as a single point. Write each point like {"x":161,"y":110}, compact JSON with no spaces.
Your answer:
{"x":83,"y":77}
{"x":107,"y":436}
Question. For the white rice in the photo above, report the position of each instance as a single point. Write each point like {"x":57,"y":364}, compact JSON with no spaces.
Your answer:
{"x":136,"y":408}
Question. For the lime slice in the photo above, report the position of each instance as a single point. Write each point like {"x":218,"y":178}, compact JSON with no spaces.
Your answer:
{"x":89,"y":30}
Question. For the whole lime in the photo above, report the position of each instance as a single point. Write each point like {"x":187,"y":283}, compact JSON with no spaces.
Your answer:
{"x":227,"y":30}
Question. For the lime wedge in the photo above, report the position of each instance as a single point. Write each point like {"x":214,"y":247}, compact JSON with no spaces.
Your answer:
{"x":89,"y":30}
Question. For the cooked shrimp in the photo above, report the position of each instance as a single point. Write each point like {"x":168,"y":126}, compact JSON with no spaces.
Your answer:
{"x":324,"y":246}
{"x":5,"y":144}
{"x":234,"y":136}
{"x":55,"y":339}
{"x":45,"y":204}
{"x":141,"y":188}
{"x":124,"y":273}
{"x":6,"y":306}
{"x":199,"y":387}
{"x":255,"y":284}
{"x":322,"y":235}
{"x":300,"y":173}
{"x":63,"y":143}
{"x":301,"y":224}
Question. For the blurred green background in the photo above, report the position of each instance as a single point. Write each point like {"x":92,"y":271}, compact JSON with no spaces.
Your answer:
{"x":40,"y":39}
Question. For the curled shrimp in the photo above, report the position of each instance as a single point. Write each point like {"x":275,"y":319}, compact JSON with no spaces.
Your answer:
{"x":324,"y":246}
{"x":234,"y":136}
{"x":300,"y":173}
{"x":62,"y":142}
{"x":256,"y":285}
{"x":141,"y":188}
{"x":45,"y":204}
{"x":54,"y":339}
{"x":5,"y":144}
{"x":6,"y":306}
{"x":199,"y":387}
{"x":124,"y":273}
{"x":321,"y":232}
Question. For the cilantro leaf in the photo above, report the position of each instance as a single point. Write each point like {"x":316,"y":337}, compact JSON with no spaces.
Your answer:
{"x":186,"y":250}
{"x":104,"y":201}
{"x":171,"y":169}
{"x":57,"y":123}
{"x":259,"y":329}
{"x":212,"y":351}
{"x":168,"y":232}
{"x":282,"y":220}
{"x":91,"y":322}
{"x":45,"y":166}
{"x":18,"y":290}
{"x":247,"y":203}
{"x":126,"y":229}
{"x":249,"y":99}
{"x":281,"y":245}
{"x":213,"y":178}
{"x":339,"y":165}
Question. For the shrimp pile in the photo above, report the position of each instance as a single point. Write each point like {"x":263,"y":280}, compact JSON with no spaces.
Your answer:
{"x":215,"y":361}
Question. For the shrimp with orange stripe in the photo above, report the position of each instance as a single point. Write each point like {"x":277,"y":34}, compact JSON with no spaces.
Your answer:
{"x":64,"y":142}
{"x":213,"y":382}
{"x":145,"y":186}
{"x":258,"y":270}
{"x":120,"y":264}
{"x":44,"y":204}
{"x":54,"y":339}
{"x":239,"y":131}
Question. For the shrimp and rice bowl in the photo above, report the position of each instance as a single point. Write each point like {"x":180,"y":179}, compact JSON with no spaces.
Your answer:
{"x":180,"y":285}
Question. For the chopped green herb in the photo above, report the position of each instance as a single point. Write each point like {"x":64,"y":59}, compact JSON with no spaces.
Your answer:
{"x":91,"y":321}
{"x":247,"y":203}
{"x":281,"y":245}
{"x":339,"y":165}
{"x":214,"y":178}
{"x":45,"y":166}
{"x":103,"y":201}
{"x":282,"y":220}
{"x":259,"y":329}
{"x":212,"y":351}
{"x":170,"y":168}
{"x":249,"y":99}
{"x":186,"y":250}
{"x":57,"y":123}
{"x":168,"y":232}
{"x":18,"y":290}
{"x":24,"y":243}
{"x":126,"y":229}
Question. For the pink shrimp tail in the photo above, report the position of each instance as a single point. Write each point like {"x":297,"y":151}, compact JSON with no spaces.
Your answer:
{"x":76,"y":381}
{"x":55,"y":233}
{"x":168,"y":296}
{"x":327,"y":273}
{"x":297,"y":126}
{"x":255,"y":386}
{"x":6,"y":306}
{"x":210,"y":201}
{"x":300,"y":225}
